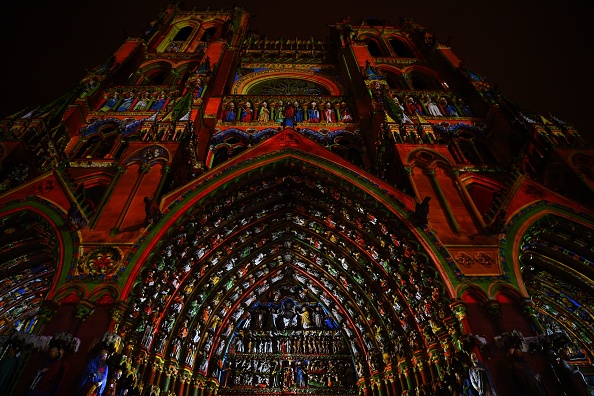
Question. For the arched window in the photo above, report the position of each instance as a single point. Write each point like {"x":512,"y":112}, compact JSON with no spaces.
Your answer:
{"x":424,"y":81}
{"x":395,"y":81}
{"x":469,"y":151}
{"x":401,"y":48}
{"x":287,"y":86}
{"x":99,"y":145}
{"x":485,"y":153}
{"x":375,"y":49}
{"x":585,"y":164}
{"x":158,"y":78}
{"x":183,"y":34}
{"x":209,"y":34}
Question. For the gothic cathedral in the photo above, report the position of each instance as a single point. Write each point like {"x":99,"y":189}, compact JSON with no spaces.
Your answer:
{"x":213,"y":212}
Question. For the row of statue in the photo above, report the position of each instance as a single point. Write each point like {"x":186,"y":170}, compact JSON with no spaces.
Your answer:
{"x":288,"y":316}
{"x":407,"y":108}
{"x":297,"y":342}
{"x":131,"y":101}
{"x":112,"y":374}
{"x":286,"y":374}
{"x":289,"y":113}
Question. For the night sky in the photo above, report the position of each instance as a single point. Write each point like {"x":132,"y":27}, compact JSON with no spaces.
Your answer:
{"x":537,"y":53}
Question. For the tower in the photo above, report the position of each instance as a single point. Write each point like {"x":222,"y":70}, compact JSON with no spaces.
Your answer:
{"x":228,"y":213}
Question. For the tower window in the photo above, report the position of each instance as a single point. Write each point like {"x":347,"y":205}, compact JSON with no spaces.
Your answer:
{"x":158,"y":78}
{"x":395,"y":81}
{"x":183,"y":34}
{"x":425,"y":82}
{"x":374,"y":48}
{"x":402,"y":50}
{"x":209,"y":34}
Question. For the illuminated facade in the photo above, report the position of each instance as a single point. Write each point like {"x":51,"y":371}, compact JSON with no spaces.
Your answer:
{"x":237,"y":215}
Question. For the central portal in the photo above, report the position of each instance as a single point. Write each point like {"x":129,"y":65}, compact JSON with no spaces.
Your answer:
{"x":287,"y":341}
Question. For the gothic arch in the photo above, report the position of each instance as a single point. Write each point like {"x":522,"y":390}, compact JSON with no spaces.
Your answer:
{"x":424,"y":78}
{"x":554,"y":270}
{"x":210,"y":29}
{"x":486,"y":193}
{"x":375,"y":45}
{"x":243,"y":84}
{"x":425,"y":158}
{"x":495,"y":290}
{"x":155,"y":73}
{"x":464,"y":290}
{"x":277,"y":229}
{"x":583,"y":163}
{"x":155,"y":154}
{"x":226,"y":144}
{"x":174,"y":31}
{"x":394,"y":76}
{"x":102,"y":139}
{"x":98,"y":294}
{"x":400,"y":46}
{"x":34,"y":252}
{"x":70,"y":293}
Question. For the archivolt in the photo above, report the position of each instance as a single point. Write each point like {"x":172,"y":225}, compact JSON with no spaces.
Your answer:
{"x":282,"y":227}
{"x":243,"y":85}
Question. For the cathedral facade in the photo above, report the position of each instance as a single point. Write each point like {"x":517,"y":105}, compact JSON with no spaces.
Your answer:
{"x":224,"y":213}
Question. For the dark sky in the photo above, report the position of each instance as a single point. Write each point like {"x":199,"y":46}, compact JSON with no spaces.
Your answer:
{"x":538,"y":53}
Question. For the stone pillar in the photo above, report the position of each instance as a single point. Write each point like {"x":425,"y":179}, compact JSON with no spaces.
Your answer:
{"x":195,"y":387}
{"x":106,"y":195}
{"x":142,"y":171}
{"x":384,"y":388}
{"x":188,"y":388}
{"x":443,"y":200}
{"x":457,"y":153}
{"x":139,"y":367}
{"x":363,"y":388}
{"x":157,"y":378}
{"x":394,"y":387}
{"x":208,"y":390}
{"x":181,"y":383}
{"x":456,"y":175}
{"x":170,"y":373}
{"x":165,"y":171}
{"x":409,"y":173}
{"x":417,"y":377}
{"x":421,"y":366}
{"x":150,"y":374}
{"x":432,"y":370}
{"x":438,"y":369}
{"x":401,"y":381}
{"x":375,"y":388}
{"x":409,"y":378}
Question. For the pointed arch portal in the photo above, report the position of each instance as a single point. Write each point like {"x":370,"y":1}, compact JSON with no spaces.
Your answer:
{"x":289,"y":277}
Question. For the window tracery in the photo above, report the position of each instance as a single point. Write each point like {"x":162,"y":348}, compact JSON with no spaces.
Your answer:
{"x":288,"y":86}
